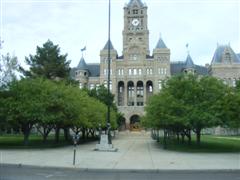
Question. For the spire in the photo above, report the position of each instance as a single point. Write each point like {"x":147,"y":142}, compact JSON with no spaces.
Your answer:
{"x":106,"y":45}
{"x":82,"y":64}
{"x":160,"y":44}
{"x":189,"y":62}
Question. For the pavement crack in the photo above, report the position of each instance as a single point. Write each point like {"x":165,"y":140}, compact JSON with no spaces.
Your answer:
{"x":122,"y":156}
{"x":150,"y":153}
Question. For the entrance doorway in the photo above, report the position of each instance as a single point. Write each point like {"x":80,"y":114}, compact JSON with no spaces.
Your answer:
{"x":135,"y":123}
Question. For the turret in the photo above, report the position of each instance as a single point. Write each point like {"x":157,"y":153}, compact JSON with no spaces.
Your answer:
{"x":82,"y":73}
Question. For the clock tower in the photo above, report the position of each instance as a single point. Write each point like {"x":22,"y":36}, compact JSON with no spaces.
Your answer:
{"x":135,"y":32}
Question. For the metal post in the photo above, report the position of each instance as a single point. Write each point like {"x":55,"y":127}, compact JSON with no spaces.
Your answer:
{"x":108,"y":81}
{"x":75,"y":141}
{"x":74,"y":154}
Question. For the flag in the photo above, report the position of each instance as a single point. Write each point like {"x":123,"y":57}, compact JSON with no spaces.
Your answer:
{"x":83,"y":49}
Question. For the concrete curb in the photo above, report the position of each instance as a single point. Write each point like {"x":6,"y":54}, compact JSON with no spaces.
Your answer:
{"x":23,"y":166}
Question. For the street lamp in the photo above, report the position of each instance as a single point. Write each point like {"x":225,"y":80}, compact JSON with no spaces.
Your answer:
{"x":106,"y":139}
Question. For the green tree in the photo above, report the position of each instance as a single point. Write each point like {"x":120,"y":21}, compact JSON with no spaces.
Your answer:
{"x":204,"y":112}
{"x":25,"y":105}
{"x":8,"y":67}
{"x":229,"y":109}
{"x":48,"y":63}
{"x":186,"y":103}
{"x":101,"y":93}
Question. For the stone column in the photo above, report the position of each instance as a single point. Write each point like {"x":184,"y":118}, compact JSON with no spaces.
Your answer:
{"x":125,"y":93}
{"x":144,"y":93}
{"x":135,"y":94}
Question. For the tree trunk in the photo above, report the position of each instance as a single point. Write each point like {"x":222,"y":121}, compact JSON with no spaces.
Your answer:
{"x":66,"y":134}
{"x":26,"y":138}
{"x":26,"y":129}
{"x":189,"y":137}
{"x":93,"y":133}
{"x":198,"y":136}
{"x":45,"y":138}
{"x":158,"y":137}
{"x":183,"y":137}
{"x":83,"y":133}
{"x":57,"y":131}
{"x":165,"y":139}
{"x":178,"y":138}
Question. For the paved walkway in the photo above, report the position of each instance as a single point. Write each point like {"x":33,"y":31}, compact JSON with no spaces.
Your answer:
{"x":136,"y":151}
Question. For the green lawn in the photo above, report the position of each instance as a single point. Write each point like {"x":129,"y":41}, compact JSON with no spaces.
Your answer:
{"x":35,"y":141}
{"x":214,"y":144}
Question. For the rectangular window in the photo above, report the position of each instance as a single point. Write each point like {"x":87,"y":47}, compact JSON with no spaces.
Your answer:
{"x":234,"y":83}
{"x":122,"y":71}
{"x":165,"y":70}
{"x":110,"y":85}
{"x":160,"y":84}
{"x":129,"y":71}
{"x":97,"y":86}
{"x":140,"y":71}
{"x":135,"y":11}
{"x":105,"y":72}
{"x":151,"y":71}
{"x":161,"y":71}
{"x":105,"y":84}
{"x":91,"y":86}
{"x":134,"y":71}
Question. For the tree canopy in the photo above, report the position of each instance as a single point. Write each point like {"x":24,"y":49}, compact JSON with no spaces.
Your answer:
{"x":188,"y":102}
{"x":8,"y":67}
{"x":48,"y":63}
{"x":47,"y":104}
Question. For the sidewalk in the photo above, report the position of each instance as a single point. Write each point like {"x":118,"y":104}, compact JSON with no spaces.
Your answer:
{"x":136,"y":150}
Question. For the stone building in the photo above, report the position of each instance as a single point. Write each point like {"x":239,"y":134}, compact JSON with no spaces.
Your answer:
{"x":136,"y":74}
{"x":225,"y":65}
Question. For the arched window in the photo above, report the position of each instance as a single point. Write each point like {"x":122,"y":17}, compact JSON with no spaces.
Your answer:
{"x":139,"y":93}
{"x":131,"y":94}
{"x":149,"y":89}
{"x":120,"y":93}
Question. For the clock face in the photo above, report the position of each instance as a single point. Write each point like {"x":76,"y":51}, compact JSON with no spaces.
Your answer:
{"x":135,"y":22}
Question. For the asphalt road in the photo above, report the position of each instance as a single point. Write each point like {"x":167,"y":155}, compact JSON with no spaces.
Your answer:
{"x":35,"y":173}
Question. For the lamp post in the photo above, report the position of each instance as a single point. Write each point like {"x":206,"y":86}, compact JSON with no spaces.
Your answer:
{"x":105,"y":143}
{"x":108,"y":79}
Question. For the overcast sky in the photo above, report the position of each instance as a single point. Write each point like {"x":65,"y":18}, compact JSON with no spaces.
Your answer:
{"x":73,"y":24}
